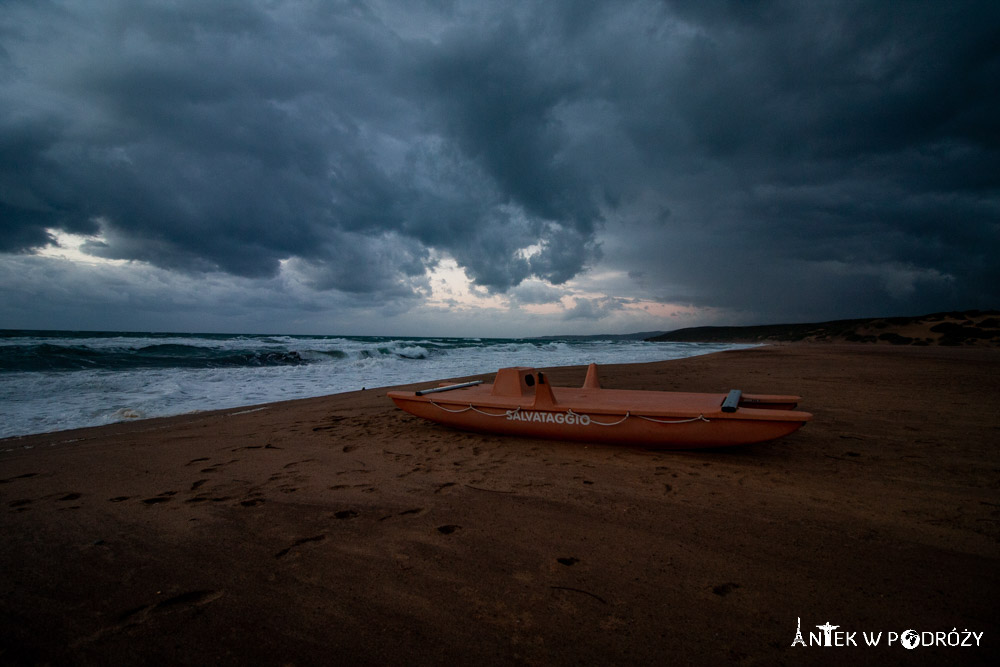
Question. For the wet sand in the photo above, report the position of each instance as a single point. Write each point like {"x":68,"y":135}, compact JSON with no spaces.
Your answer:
{"x":340,"y":530}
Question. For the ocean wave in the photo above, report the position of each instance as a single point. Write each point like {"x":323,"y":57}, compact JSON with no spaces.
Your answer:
{"x":410,"y":352}
{"x":52,"y":380}
{"x":49,"y":357}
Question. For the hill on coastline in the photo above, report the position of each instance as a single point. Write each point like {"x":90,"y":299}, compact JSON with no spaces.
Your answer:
{"x":643,"y":335}
{"x":971,"y":327}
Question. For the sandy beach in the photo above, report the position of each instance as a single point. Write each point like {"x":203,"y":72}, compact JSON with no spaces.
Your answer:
{"x":340,"y":530}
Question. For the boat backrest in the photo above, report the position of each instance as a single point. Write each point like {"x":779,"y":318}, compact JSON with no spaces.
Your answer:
{"x":526,"y":382}
{"x":515,"y":381}
{"x":544,"y":398}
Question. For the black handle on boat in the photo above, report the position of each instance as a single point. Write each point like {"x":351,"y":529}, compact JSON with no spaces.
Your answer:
{"x":732,"y":401}
{"x":448,"y":388}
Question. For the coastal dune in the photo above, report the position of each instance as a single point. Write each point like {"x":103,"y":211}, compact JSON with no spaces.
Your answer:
{"x":342,"y":530}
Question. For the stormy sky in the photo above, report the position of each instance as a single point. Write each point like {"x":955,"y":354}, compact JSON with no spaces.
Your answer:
{"x":449,"y":167}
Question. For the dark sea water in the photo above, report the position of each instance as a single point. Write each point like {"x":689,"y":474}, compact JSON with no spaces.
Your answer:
{"x":54,"y":380}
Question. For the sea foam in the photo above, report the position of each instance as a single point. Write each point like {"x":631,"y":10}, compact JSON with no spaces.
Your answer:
{"x":59,"y":380}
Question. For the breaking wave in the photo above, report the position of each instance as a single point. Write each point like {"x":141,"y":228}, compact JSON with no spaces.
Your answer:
{"x":59,"y":380}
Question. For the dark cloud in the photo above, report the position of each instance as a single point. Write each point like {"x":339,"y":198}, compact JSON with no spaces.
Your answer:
{"x":362,"y":264}
{"x":536,"y":292}
{"x":593,"y":309}
{"x":781,"y":159}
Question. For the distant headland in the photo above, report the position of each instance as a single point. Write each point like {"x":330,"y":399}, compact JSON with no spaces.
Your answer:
{"x":970,"y":327}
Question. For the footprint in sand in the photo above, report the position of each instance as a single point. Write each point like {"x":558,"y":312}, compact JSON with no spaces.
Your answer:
{"x":298,"y":543}
{"x":24,"y":476}
{"x":143,"y":613}
{"x":723,"y":590}
{"x":295,"y":463}
{"x":162,"y":498}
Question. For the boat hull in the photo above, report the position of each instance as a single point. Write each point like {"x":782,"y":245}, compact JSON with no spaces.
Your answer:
{"x":561,"y":423}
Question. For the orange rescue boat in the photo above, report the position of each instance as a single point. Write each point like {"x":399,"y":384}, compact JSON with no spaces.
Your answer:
{"x":522,"y":402}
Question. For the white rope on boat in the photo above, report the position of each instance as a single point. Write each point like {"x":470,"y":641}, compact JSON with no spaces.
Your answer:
{"x":474,"y":409}
{"x":570,"y":412}
{"x":451,"y":411}
{"x":682,"y":421}
{"x":649,"y":419}
{"x":627,"y":414}
{"x":490,"y":414}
